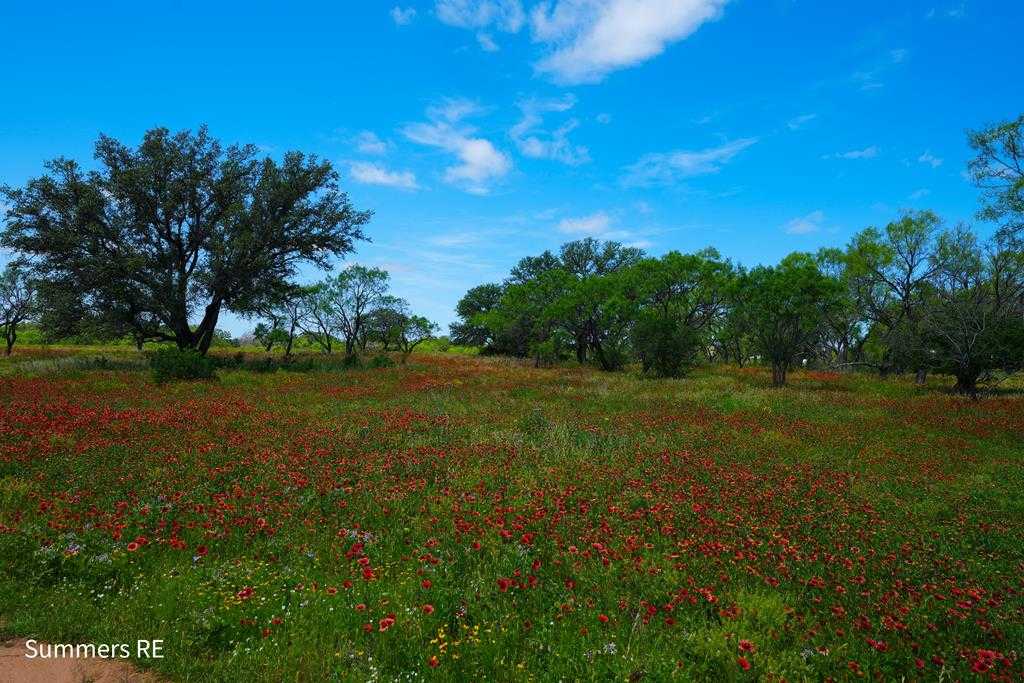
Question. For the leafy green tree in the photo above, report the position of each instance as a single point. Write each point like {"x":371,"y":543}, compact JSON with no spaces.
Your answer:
{"x":998,"y":171}
{"x":788,"y":305}
{"x":17,"y":302}
{"x":412,"y":331}
{"x":318,"y":320}
{"x":681,"y":296}
{"x":355,"y":292}
{"x":269,"y":334}
{"x":176,"y":229}
{"x":478,"y":301}
{"x":597,"y":312}
{"x":846,"y":327}
{"x":889,"y":271}
{"x":973,"y":316}
{"x":386,"y":320}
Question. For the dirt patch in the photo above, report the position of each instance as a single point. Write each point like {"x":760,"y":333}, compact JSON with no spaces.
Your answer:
{"x":15,"y":667}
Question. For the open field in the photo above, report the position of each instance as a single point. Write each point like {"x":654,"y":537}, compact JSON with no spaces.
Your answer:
{"x":472,"y":518}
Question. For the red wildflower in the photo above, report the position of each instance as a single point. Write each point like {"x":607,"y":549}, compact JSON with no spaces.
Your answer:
{"x":747,"y":646}
{"x":744,"y":664}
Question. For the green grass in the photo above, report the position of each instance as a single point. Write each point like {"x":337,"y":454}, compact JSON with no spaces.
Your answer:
{"x":692,"y":514}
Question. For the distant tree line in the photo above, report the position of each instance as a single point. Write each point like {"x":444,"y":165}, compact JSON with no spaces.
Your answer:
{"x":913,"y":296}
{"x":160,"y":239}
{"x":353,"y":308}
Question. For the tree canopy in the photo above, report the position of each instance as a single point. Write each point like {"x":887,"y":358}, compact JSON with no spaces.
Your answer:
{"x":160,"y":238}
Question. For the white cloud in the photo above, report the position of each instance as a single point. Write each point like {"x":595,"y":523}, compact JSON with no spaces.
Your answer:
{"x":454,"y":239}
{"x":920,"y":194}
{"x":486,"y":42}
{"x":666,"y":168}
{"x":504,"y":15}
{"x":403,"y":17}
{"x":899,"y":55}
{"x":367,"y":142}
{"x":866,"y":153}
{"x":930,"y":159}
{"x":798,"y":122}
{"x":480,"y":163}
{"x":591,"y":38}
{"x":594,"y":225}
{"x":805,"y":225}
{"x":603,"y":118}
{"x":376,"y":174}
{"x":539,"y":144}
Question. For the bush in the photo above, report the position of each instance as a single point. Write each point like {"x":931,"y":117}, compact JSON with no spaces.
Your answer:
{"x":665,"y":348}
{"x":170,"y":364}
{"x":351,"y":362}
{"x":381,"y":361}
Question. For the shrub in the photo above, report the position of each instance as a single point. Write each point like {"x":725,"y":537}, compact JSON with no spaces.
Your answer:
{"x":351,"y":361}
{"x":170,"y":364}
{"x":665,"y":348}
{"x":381,"y":361}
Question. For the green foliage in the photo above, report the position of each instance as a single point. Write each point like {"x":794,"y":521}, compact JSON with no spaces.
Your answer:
{"x":197,"y":228}
{"x":169,"y":364}
{"x":787,"y":305}
{"x":381,"y":361}
{"x":998,"y":171}
{"x":664,"y":348}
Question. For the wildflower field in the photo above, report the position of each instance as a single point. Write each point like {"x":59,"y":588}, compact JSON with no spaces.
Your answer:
{"x":467,"y":518}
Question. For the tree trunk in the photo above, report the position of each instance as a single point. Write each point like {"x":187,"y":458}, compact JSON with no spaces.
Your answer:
{"x":778,"y":375}
{"x":288,"y":345}
{"x":967,"y":382}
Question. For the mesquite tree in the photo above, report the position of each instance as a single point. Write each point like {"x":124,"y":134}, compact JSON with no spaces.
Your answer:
{"x":176,"y":231}
{"x":17,"y":302}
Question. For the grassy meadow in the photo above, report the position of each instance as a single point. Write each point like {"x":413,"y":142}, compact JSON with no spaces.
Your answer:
{"x":471,"y":518}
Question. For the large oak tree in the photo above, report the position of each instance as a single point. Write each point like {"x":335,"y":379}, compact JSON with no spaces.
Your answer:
{"x":159,"y":239}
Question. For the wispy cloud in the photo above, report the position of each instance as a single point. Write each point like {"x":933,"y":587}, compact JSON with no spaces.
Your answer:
{"x":486,"y":42}
{"x":866,"y":153}
{"x":930,"y":159}
{"x":667,"y":168}
{"x":594,"y":225}
{"x":919,"y":194}
{"x":871,"y":78}
{"x":805,"y":225}
{"x":479,"y":161}
{"x":370,"y":173}
{"x":799,"y":122}
{"x":534,"y":142}
{"x":403,"y":17}
{"x":367,"y":142}
{"x":591,"y":39}
{"x":955,"y":12}
{"x":502,"y":15}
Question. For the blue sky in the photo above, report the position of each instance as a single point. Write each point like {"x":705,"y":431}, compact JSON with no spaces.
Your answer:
{"x":481,"y":131}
